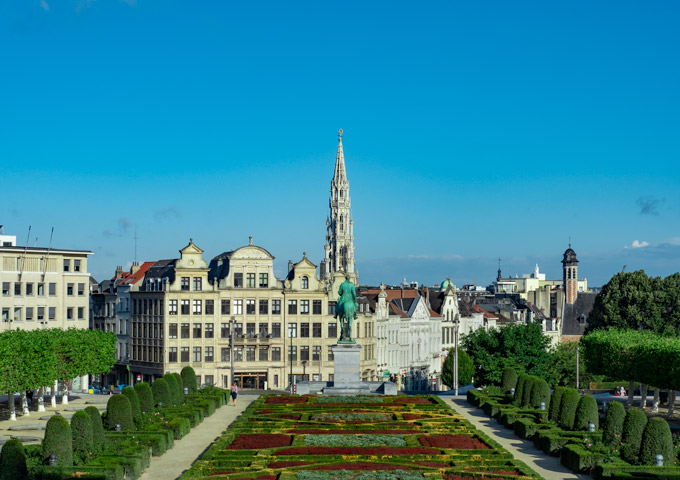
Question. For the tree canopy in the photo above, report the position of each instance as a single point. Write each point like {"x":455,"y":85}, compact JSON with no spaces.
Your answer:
{"x":466,"y":368}
{"x":523,"y":347}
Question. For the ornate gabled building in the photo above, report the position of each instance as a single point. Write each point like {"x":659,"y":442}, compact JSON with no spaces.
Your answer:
{"x":339,"y":247}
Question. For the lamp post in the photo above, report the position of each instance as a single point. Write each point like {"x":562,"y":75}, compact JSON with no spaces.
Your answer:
{"x":232,"y":322}
{"x":578,"y":356}
{"x":304,"y":369}
{"x":455,"y":356}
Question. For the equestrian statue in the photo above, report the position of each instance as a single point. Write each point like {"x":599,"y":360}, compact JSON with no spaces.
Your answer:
{"x":346,"y":310}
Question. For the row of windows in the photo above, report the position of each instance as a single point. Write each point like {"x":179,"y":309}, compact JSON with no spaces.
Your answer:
{"x":67,"y":265}
{"x":29,"y":289}
{"x":38,"y":313}
{"x":263,"y":280}
{"x":197,"y":330}
{"x":252,"y":354}
{"x":252,"y":306}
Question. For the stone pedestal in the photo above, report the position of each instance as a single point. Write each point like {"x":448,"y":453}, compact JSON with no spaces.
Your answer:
{"x":346,"y":359}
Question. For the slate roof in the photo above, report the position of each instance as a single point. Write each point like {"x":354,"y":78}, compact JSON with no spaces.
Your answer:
{"x":570,"y":317}
{"x":219,"y":266}
{"x":163,"y":269}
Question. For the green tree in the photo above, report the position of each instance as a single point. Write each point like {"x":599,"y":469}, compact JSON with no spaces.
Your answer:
{"x":612,"y":427}
{"x":519,"y":390}
{"x":657,"y":438}
{"x":13,"y":461}
{"x":146,"y":401}
{"x":189,"y":379}
{"x":568,"y":406}
{"x":59,"y":441}
{"x":180,"y":383}
{"x":509,"y":346}
{"x":508,"y":379}
{"x":633,"y":427}
{"x":555,"y":404}
{"x":563,"y":366}
{"x":466,"y":368}
{"x":132,"y":396}
{"x":161,"y":392}
{"x":97,"y":428}
{"x":119,"y":412}
{"x":540,"y":393}
{"x":586,"y":413}
{"x":81,"y":430}
{"x":174,"y":390}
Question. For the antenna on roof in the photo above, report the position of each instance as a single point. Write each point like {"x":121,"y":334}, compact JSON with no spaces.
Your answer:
{"x":47,"y":255}
{"x":23,"y":257}
{"x":135,"y":244}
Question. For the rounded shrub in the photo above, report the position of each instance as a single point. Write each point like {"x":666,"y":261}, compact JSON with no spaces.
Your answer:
{"x":657,"y":438}
{"x":180,"y":383}
{"x":526,"y":392}
{"x":174,"y":389}
{"x":13,"y":461}
{"x":81,"y":433}
{"x":555,"y":400}
{"x":133,"y":398}
{"x":612,"y":428}
{"x":58,"y":441}
{"x":586,"y":412}
{"x":97,"y":428}
{"x":189,"y":379}
{"x":519,"y":390}
{"x":633,"y":427}
{"x":508,"y":379}
{"x":161,"y":392}
{"x":145,"y":397}
{"x":568,"y":405}
{"x":119,"y":412}
{"x":540,"y":392}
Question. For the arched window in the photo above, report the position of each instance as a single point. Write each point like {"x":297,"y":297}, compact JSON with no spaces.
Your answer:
{"x":305,"y":282}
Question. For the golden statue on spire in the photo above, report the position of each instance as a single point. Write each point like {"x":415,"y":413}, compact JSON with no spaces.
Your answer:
{"x":340,"y":134}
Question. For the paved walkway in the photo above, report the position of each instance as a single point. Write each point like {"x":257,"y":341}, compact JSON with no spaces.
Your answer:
{"x":173,"y":463}
{"x":546,"y":466}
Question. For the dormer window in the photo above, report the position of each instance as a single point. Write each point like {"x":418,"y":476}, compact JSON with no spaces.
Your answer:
{"x":305,"y":282}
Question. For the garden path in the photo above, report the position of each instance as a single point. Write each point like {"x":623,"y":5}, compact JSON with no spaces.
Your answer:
{"x":186,"y":451}
{"x":546,"y":466}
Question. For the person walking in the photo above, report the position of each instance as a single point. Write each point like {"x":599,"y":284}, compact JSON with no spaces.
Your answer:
{"x":234,"y":393}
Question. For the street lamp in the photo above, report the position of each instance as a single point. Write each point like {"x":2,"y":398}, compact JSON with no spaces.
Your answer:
{"x":304,"y":369}
{"x":455,"y":356}
{"x":578,"y":356}
{"x":232,"y":322}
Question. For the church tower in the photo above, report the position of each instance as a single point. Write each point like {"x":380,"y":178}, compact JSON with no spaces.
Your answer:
{"x":339,"y":247}
{"x":570,"y":275}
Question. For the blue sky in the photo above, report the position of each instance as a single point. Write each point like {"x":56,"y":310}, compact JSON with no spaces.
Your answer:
{"x":473,"y":131}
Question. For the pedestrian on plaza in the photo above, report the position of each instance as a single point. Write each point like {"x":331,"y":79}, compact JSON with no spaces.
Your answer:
{"x":234,"y":392}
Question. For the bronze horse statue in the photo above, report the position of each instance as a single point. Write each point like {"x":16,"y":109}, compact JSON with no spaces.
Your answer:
{"x":346,"y":310}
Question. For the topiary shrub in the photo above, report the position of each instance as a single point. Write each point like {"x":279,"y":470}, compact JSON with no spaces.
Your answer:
{"x":81,"y":434}
{"x":633,"y":427}
{"x":508,"y":379}
{"x":540,"y":392}
{"x":519,"y":390}
{"x":612,"y":428}
{"x":174,"y":389}
{"x":97,"y":428}
{"x":58,"y":441}
{"x":133,"y":398}
{"x":526,"y":392}
{"x":568,"y":406}
{"x":13,"y":461}
{"x":161,"y":392}
{"x":555,"y":401}
{"x":145,"y":396}
{"x":118,"y":411}
{"x":586,"y":412}
{"x":657,"y":438}
{"x":180,"y":383}
{"x":189,"y":379}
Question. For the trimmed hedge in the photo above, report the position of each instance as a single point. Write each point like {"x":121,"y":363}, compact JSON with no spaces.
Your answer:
{"x":508,"y":379}
{"x":189,"y":379}
{"x":97,"y":428}
{"x":81,"y":433}
{"x":174,"y":390}
{"x":145,"y":397}
{"x":519,"y":390}
{"x":555,"y":402}
{"x":568,"y":407}
{"x":586,"y":412}
{"x":633,"y":427}
{"x":540,"y":392}
{"x":579,"y":459}
{"x":161,"y":392}
{"x":657,"y":438}
{"x":612,"y":427}
{"x":526,"y":392}
{"x":180,"y":383}
{"x":58,"y":440}
{"x":118,"y":411}
{"x":132,"y":396}
{"x":13,"y":460}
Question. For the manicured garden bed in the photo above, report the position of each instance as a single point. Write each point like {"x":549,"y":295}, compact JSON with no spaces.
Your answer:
{"x":354,"y":438}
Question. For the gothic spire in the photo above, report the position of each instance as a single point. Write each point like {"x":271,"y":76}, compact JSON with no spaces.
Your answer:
{"x":340,"y":161}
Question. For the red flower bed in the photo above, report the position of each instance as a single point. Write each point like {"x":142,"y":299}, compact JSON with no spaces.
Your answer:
{"x":285,"y":399}
{"x":319,"y":431}
{"x":362,"y":466}
{"x":453,"y":476}
{"x":287,"y":464}
{"x":432,"y":464}
{"x":357,"y":451}
{"x":416,"y":400}
{"x":265,"y":411}
{"x":514,"y":473}
{"x":289,"y":416}
{"x":414,"y":416}
{"x":248,"y":441}
{"x":462,"y":442}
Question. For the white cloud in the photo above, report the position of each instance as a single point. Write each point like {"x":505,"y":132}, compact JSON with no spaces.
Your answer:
{"x":638,"y":244}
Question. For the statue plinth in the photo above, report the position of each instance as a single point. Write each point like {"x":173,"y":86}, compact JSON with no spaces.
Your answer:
{"x":346,"y":360}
